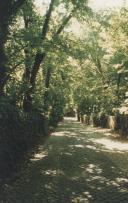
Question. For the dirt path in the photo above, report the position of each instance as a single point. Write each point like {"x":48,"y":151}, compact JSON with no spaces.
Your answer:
{"x":77,"y":164}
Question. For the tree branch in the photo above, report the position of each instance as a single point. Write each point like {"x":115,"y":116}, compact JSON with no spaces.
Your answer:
{"x":40,"y":56}
{"x":64,"y":23}
{"x":38,"y":60}
{"x":47,"y":19}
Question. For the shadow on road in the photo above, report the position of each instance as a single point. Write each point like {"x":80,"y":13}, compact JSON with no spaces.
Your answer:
{"x":75,"y":165}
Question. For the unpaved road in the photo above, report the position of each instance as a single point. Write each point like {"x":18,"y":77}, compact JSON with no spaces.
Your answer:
{"x":77,"y":164}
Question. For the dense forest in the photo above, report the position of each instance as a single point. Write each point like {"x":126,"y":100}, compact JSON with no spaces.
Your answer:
{"x":47,"y":69}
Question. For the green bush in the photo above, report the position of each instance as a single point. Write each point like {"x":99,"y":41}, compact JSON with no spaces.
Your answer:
{"x":95,"y":120}
{"x":19,"y":133}
{"x":103,"y":120}
{"x":56,"y":115}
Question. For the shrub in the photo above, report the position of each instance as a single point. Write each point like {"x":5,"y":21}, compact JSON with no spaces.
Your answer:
{"x":19,"y":133}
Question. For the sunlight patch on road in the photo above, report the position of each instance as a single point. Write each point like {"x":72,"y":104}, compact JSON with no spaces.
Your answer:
{"x":122,"y":180}
{"x":69,"y":154}
{"x":39,"y":156}
{"x":59,"y":134}
{"x":64,"y":133}
{"x":83,"y":198}
{"x":48,"y":186}
{"x":111,"y":145}
{"x":92,"y":168}
{"x":77,"y":146}
{"x":70,"y":119}
{"x":101,"y":130}
{"x":104,"y":131}
{"x":53,"y":172}
{"x":90,"y":147}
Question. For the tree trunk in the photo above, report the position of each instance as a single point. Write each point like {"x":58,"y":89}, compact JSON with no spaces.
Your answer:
{"x":39,"y":58}
{"x":47,"y":84}
{"x":27,"y":102}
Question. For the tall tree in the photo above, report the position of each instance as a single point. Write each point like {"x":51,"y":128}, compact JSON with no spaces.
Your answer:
{"x":8,"y":10}
{"x":74,"y":8}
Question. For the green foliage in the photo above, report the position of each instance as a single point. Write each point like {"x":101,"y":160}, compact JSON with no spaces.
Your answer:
{"x":19,"y":133}
{"x":46,"y":64}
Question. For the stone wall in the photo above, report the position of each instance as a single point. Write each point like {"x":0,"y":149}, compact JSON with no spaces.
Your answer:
{"x":118,"y":123}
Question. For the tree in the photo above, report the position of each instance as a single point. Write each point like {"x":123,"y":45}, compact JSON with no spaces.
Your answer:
{"x":40,"y":55}
{"x":8,"y":11}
